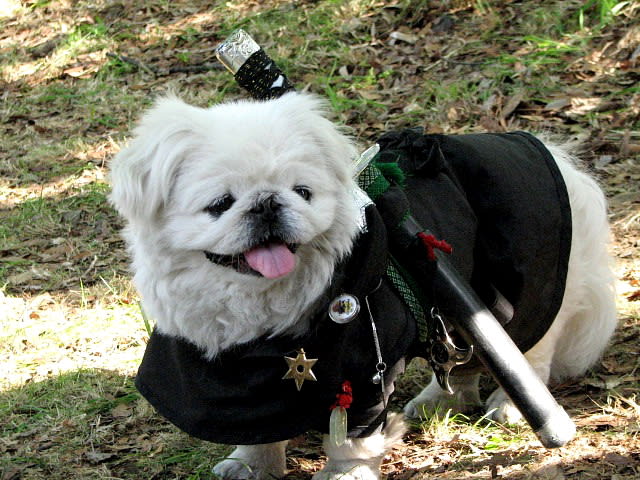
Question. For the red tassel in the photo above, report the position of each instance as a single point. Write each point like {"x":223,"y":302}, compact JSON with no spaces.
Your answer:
{"x":432,"y":243}
{"x":345,"y":398}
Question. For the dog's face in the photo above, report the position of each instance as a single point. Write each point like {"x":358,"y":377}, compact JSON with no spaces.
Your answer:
{"x":250,"y":205}
{"x":248,"y":186}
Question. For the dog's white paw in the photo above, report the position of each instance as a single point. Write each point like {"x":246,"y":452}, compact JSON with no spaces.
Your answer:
{"x":234,"y":469}
{"x":416,"y":408}
{"x":351,"y":471}
{"x":501,"y":409}
{"x":433,"y":398}
{"x":253,"y":462}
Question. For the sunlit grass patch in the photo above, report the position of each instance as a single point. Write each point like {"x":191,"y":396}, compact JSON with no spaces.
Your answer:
{"x":97,"y":327}
{"x":82,"y":48}
{"x":61,"y":129}
{"x":9,"y":8}
{"x":443,"y":425}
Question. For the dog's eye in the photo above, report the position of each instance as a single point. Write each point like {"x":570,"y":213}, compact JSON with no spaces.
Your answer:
{"x":220,"y":205}
{"x":303,"y":191}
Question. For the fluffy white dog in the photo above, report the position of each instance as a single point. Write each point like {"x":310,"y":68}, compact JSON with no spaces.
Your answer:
{"x":239,"y":220}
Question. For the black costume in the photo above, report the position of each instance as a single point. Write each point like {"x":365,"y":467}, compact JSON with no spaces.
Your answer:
{"x":498,"y":199}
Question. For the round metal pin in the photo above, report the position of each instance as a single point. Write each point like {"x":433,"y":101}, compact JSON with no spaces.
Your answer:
{"x":344,"y":308}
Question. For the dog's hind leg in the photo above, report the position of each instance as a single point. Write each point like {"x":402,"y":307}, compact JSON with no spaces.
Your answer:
{"x":254,"y":462}
{"x":589,"y":294}
{"x":464,"y":399}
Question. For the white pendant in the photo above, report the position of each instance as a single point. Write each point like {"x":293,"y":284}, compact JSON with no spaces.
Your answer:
{"x":338,"y":426}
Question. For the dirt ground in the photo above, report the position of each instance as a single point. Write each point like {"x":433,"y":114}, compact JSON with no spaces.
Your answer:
{"x":74,"y":76}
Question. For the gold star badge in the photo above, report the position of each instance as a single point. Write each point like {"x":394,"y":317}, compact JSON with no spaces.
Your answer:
{"x":300,"y":368}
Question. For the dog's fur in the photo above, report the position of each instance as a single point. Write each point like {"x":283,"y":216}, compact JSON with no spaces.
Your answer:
{"x":171,"y":184}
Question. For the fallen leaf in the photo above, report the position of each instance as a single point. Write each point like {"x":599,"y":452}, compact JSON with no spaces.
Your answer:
{"x":605,"y":382}
{"x":98,"y":457}
{"x":598,"y":421}
{"x":444,"y":24}
{"x":369,"y":95}
{"x":14,"y":473}
{"x":20,"y":278}
{"x":489,"y":103}
{"x":404,"y":37}
{"x":512,"y":104}
{"x":558,"y":104}
{"x":552,"y":472}
{"x":75,"y":72}
{"x":617,"y":459}
{"x":121,"y":411}
{"x":634,"y":297}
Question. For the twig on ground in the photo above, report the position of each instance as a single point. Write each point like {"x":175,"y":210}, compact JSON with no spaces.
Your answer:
{"x":133,"y":61}
{"x":162,"y":72}
{"x":205,"y":67}
{"x":93,"y":264}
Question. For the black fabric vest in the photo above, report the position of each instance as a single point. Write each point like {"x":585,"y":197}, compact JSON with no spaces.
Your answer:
{"x":498,"y":199}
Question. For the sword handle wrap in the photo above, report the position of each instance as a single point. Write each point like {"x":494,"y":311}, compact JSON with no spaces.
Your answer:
{"x":253,"y":69}
{"x":262,"y":78}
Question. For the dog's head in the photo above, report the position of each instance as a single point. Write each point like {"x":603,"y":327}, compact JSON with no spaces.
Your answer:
{"x":248,"y":186}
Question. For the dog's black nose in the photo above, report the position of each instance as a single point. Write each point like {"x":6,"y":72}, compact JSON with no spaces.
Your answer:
{"x":267,"y":207}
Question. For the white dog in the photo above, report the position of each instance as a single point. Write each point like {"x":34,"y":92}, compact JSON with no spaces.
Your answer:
{"x":242,"y":226}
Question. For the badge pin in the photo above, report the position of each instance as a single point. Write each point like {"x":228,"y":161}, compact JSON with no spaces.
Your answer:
{"x":344,"y":308}
{"x":300,"y":368}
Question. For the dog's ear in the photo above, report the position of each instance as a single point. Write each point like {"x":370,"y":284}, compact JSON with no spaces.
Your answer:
{"x":142,"y":173}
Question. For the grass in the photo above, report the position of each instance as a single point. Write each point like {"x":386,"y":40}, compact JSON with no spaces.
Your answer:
{"x":64,"y":426}
{"x":72,"y":333}
{"x":603,"y":12}
{"x":52,"y":242}
{"x":443,"y":425}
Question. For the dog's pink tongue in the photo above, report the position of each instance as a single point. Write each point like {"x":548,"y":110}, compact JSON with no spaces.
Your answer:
{"x":272,"y":261}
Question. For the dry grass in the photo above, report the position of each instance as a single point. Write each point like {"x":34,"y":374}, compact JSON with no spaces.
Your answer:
{"x":72,"y":334}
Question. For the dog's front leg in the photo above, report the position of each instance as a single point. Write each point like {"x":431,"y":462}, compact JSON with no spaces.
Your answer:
{"x":356,"y":459}
{"x":361,"y":458}
{"x":255,"y":462}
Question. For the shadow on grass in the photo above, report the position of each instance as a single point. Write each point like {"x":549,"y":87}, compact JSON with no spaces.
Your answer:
{"x":91,"y":424}
{"x":64,"y":240}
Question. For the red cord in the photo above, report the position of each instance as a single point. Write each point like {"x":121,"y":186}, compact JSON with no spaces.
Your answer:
{"x":432,"y":243}
{"x":345,"y":398}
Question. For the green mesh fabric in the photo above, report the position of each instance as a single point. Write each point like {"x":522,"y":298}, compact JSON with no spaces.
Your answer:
{"x":373,"y":182}
{"x":403,"y":283}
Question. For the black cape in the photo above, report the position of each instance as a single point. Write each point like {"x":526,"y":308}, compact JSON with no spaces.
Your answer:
{"x":240,"y":397}
{"x":499,"y":200}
